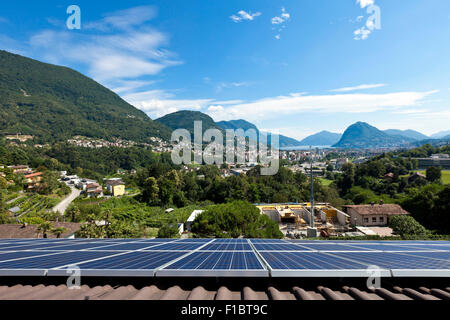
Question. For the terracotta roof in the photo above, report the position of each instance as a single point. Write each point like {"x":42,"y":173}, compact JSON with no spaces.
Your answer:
{"x":33,"y":175}
{"x":41,"y":291}
{"x":92,"y":185}
{"x":387,"y":209}
{"x":30,"y":231}
{"x":115,"y":183}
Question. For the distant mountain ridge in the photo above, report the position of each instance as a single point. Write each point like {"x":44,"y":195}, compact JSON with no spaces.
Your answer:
{"x":185,"y":119}
{"x":413,"y":134}
{"x":322,"y":138}
{"x":440,"y":135}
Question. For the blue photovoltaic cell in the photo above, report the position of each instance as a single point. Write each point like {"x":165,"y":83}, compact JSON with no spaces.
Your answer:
{"x":22,"y":254}
{"x":434,"y":255}
{"x":134,"y":260}
{"x":279,"y":247}
{"x":332,"y":247}
{"x":308,"y":260}
{"x":391,"y":260}
{"x":386,"y":247}
{"x":230,"y":241}
{"x":217,"y":261}
{"x":228,"y":246}
{"x":177,"y":246}
{"x":126,"y":246}
{"x":278,"y":241}
{"x":54,"y":260}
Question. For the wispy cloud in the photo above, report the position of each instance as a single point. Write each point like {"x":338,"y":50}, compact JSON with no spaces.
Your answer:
{"x":243,"y":15}
{"x":365,"y":3}
{"x":279,"y":22}
{"x":123,"y":19}
{"x":360,"y":87}
{"x":225,"y":85}
{"x":336,"y":103}
{"x":118,"y":48}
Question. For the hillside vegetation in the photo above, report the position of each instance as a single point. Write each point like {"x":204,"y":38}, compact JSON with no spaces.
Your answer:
{"x":55,"y":103}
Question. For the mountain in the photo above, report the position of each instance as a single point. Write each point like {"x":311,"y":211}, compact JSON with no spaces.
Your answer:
{"x":237,"y":124}
{"x":245,"y":125}
{"x":185,"y":120}
{"x":56,"y":103}
{"x":323,"y":138}
{"x":440,"y":135}
{"x":407,"y":133}
{"x":361,"y":135}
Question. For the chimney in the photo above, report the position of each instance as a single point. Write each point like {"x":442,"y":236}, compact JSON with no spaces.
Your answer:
{"x":372,"y":203}
{"x":381,"y":202}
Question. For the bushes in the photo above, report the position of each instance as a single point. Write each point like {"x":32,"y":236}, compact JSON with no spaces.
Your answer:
{"x":168,"y":231}
{"x":406,"y":225}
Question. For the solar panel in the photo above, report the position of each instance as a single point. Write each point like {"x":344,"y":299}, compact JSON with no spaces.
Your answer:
{"x":223,"y":257}
{"x":219,"y":263}
{"x":131,"y":264}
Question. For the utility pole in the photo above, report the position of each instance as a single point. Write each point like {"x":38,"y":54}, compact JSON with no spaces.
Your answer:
{"x":312,"y":188}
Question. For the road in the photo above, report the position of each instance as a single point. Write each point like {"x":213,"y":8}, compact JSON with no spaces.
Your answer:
{"x":62,"y":206}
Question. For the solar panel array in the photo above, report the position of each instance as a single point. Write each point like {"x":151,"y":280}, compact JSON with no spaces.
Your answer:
{"x":223,"y":258}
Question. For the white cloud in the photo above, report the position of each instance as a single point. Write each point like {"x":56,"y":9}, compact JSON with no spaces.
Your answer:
{"x":361,"y":33}
{"x":337,"y":103}
{"x":365,"y":3}
{"x":123,"y":19}
{"x":225,"y":85}
{"x":360,"y":87}
{"x":279,"y":22}
{"x":243,"y":15}
{"x":282,"y":18}
{"x":128,"y":50}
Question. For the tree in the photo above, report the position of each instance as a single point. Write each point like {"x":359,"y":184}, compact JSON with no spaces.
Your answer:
{"x":58,"y":231}
{"x":151,"y":191}
{"x":433,"y":174}
{"x":43,"y":228}
{"x":406,"y":225}
{"x":235,"y":219}
{"x":49,"y":182}
{"x":347,"y":179}
{"x":168,"y":231}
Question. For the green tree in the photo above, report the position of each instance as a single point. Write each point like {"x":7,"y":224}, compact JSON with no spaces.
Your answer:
{"x":58,"y":231}
{"x":150,"y":191}
{"x":235,"y":219}
{"x":406,"y":225}
{"x":44,"y":228}
{"x":433,"y":174}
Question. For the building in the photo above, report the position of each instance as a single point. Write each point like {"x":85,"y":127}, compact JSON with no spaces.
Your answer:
{"x":115,"y":187}
{"x":191,"y":219}
{"x":415,"y":176}
{"x":93,"y":190}
{"x":439,"y":160}
{"x":33,"y":180}
{"x":369,"y":215}
{"x":24,"y":231}
{"x":20,"y":169}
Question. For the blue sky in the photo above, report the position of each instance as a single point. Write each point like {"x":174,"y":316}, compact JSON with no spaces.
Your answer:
{"x":294,"y":67}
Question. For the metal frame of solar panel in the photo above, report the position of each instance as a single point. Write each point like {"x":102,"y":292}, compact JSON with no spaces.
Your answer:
{"x":223,"y":258}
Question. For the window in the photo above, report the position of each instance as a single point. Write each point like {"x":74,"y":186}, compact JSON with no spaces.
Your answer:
{"x":366,"y":220}
{"x":381,"y":219}
{"x":374,"y":219}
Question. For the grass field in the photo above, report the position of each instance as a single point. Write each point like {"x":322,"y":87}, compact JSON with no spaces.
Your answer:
{"x":325,"y":182}
{"x":445,"y":175}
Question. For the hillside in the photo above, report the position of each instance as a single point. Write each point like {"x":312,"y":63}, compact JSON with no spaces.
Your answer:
{"x":185,"y":120}
{"x":412,"y":134}
{"x":361,"y":135}
{"x":245,"y":125}
{"x":323,"y":138}
{"x":440,"y":135}
{"x":56,"y":103}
